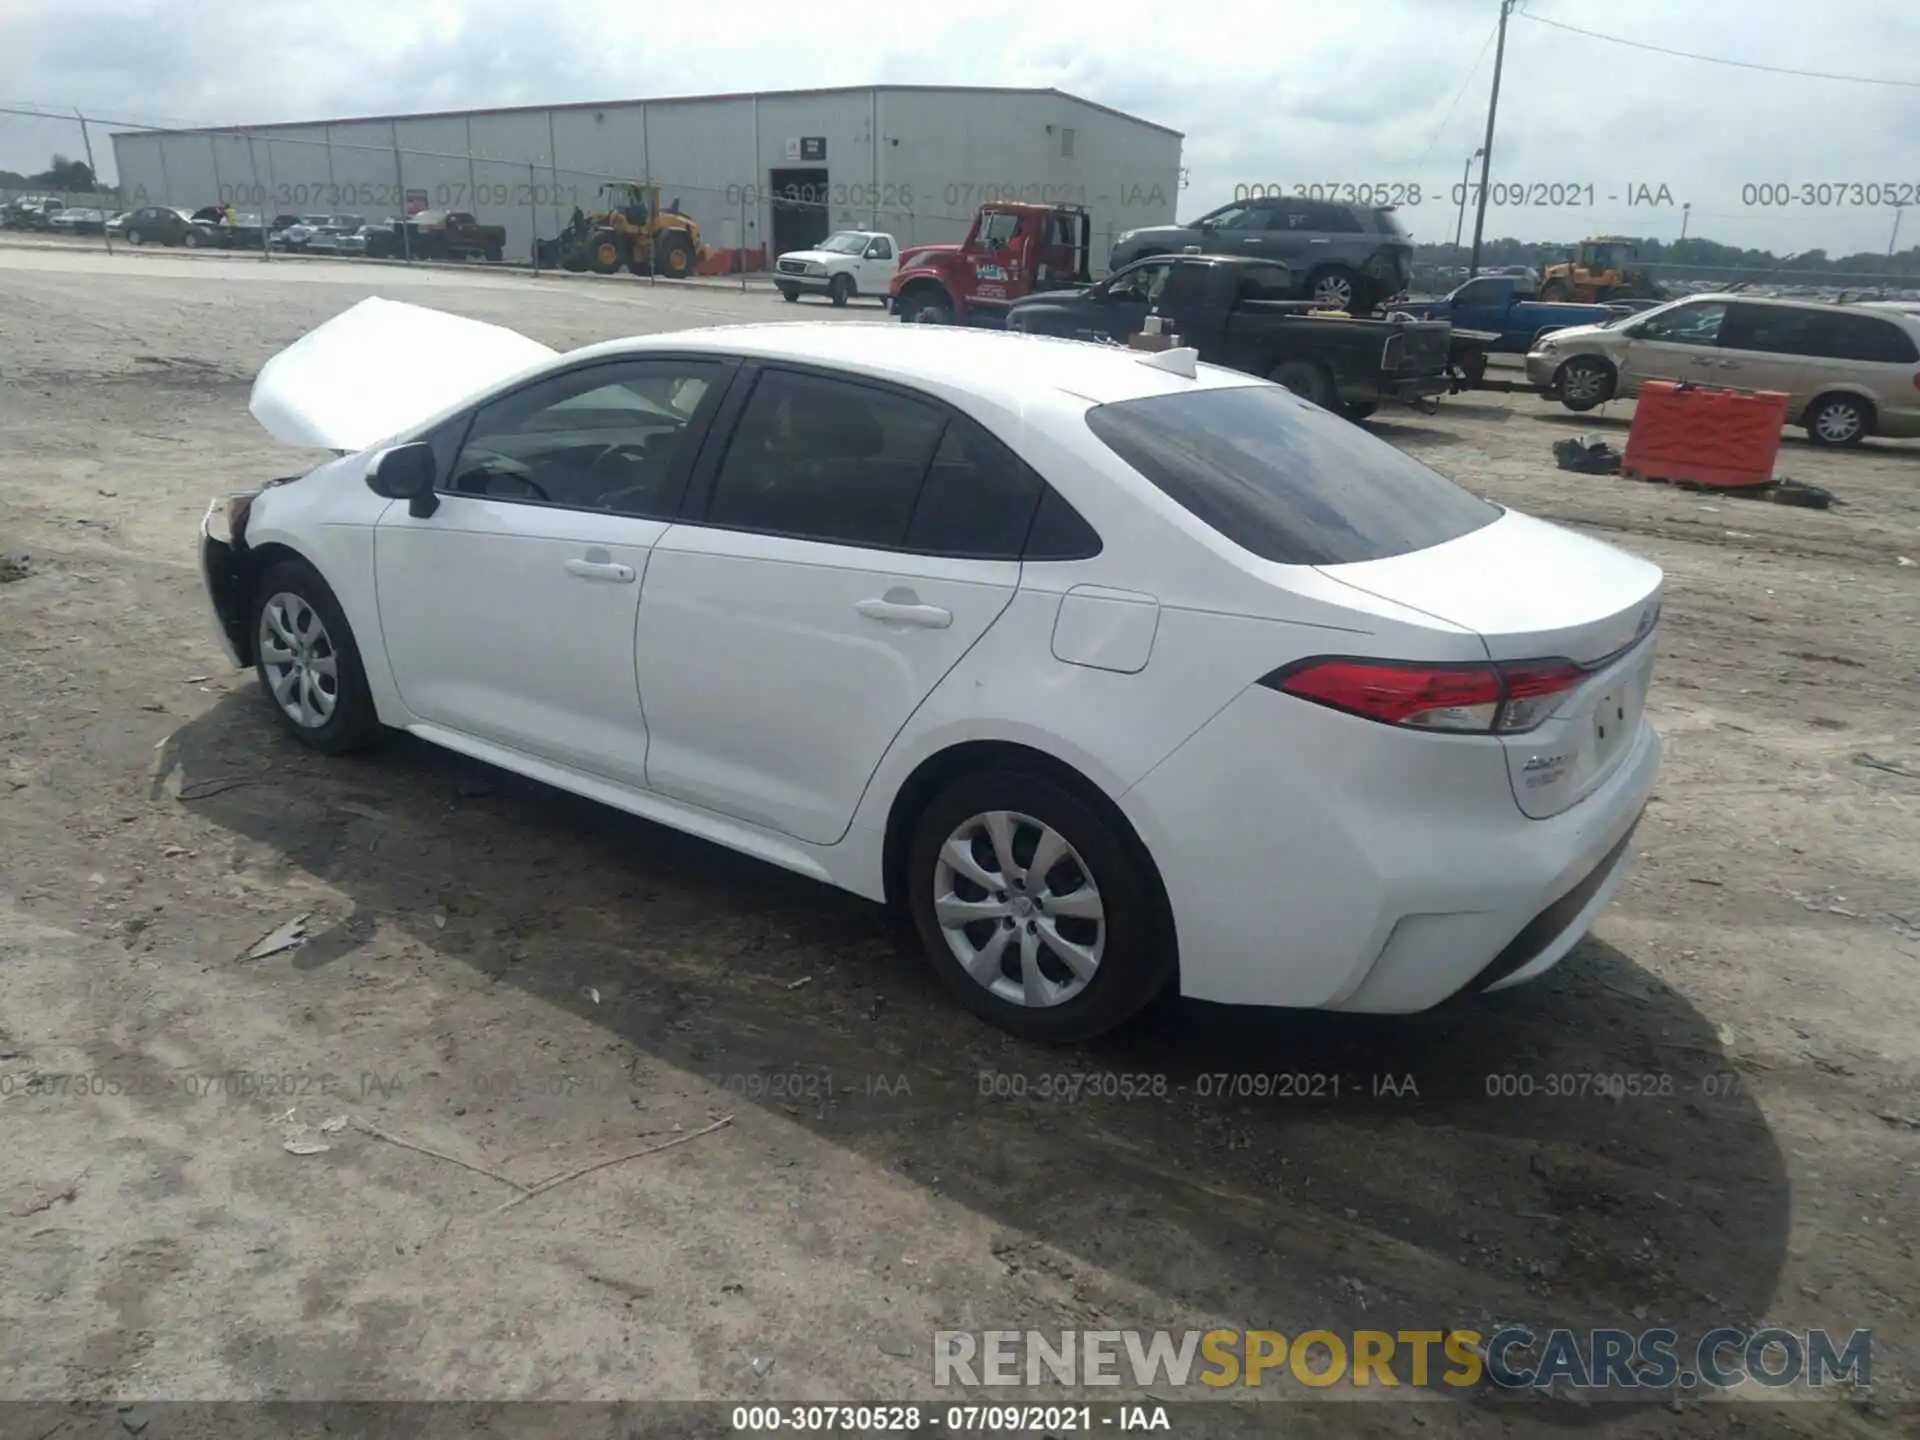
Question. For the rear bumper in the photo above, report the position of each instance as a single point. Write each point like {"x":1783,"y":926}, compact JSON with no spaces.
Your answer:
{"x":1405,"y":390}
{"x":1383,"y":873}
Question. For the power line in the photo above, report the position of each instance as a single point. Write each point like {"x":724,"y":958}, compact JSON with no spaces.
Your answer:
{"x":1720,"y":59}
{"x":1462,"y":91}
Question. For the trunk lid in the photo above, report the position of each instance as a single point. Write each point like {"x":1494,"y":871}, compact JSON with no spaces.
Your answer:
{"x":1534,"y":591}
{"x":380,"y":368}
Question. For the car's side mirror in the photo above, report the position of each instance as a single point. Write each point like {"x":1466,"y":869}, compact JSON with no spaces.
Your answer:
{"x":407,"y":472}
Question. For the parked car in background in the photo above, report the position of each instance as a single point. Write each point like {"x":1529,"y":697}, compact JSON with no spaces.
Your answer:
{"x":1237,"y":312}
{"x":1506,"y":309}
{"x":30,"y":212}
{"x":326,"y":239}
{"x":1119,"y":674}
{"x":1848,"y":371}
{"x":298,"y":231}
{"x":1349,"y":256}
{"x":163,"y":225}
{"x":78,"y":220}
{"x":845,"y":265}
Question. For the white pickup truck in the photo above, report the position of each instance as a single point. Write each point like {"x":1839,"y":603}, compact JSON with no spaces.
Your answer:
{"x":846,"y":264}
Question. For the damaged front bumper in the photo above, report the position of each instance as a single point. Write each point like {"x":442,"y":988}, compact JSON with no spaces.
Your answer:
{"x":223,"y":572}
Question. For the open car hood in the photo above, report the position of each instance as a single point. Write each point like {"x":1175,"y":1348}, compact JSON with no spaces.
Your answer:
{"x":380,"y":368}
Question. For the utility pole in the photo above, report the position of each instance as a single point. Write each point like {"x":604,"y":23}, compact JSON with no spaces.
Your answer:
{"x":1466,"y":184}
{"x":1686,"y":214}
{"x":1486,"y":150}
{"x":1894,"y":238}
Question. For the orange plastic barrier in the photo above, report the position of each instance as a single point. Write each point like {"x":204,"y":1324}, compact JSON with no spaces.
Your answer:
{"x":1704,"y":435}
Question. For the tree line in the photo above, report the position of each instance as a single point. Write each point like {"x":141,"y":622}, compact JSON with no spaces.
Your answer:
{"x":1695,"y":256}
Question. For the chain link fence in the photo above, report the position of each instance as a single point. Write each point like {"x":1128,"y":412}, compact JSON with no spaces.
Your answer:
{"x":250,"y":185}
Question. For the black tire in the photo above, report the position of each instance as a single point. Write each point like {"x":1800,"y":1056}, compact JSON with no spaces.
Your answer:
{"x":573,"y":262}
{"x":353,"y":725}
{"x":1340,"y":287}
{"x":605,"y":253}
{"x":925,"y":306}
{"x":1308,"y":380}
{"x":1473,"y":365}
{"x":192,"y":240}
{"x":1839,"y":422}
{"x":1581,"y":397}
{"x":133,"y":237}
{"x":673,"y":255}
{"x":1358,"y":410}
{"x":840,"y":290}
{"x":790,"y":293}
{"x":1137,"y":957}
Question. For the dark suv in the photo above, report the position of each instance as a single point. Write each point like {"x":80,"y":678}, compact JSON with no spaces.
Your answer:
{"x":1351,"y":256}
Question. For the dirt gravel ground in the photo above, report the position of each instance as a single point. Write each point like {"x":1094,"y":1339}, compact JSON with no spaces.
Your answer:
{"x":517,"y":984}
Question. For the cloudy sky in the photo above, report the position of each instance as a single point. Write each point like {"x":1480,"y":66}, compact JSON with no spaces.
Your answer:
{"x":1283,"y":90}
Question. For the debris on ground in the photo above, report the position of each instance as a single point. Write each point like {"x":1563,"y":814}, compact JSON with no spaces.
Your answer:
{"x":52,"y":1195}
{"x":287,"y":936}
{"x":1587,"y":455}
{"x":763,"y":1365}
{"x":896,"y":1345}
{"x":13,"y":567}
{"x":1874,"y":762}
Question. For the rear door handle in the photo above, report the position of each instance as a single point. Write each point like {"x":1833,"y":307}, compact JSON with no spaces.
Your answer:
{"x":928,"y":617}
{"x":600,"y":570}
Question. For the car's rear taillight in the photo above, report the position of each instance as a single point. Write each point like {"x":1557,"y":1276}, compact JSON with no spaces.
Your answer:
{"x":1490,"y":699}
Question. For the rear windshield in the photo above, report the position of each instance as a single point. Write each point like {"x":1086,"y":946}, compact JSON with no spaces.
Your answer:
{"x":1286,"y":480}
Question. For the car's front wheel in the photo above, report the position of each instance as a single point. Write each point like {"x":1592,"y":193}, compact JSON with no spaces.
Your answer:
{"x":841,"y":290}
{"x":307,"y":661}
{"x":134,"y":237}
{"x":1585,"y":382}
{"x":1036,"y":909}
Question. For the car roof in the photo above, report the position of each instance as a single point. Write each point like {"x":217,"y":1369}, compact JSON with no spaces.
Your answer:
{"x":996,"y":366}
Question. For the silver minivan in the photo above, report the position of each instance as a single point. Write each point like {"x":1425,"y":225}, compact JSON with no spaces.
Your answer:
{"x":1848,"y":370}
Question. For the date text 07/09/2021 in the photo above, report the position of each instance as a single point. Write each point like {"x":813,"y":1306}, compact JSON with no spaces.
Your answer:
{"x":1537,"y":194}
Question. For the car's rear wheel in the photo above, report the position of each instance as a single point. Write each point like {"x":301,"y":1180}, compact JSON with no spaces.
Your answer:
{"x":1307,"y":380}
{"x":1585,"y":382}
{"x":1336,"y":286}
{"x":1035,"y":908}
{"x":1839,"y":421}
{"x":307,"y":661}
{"x":840,"y":291}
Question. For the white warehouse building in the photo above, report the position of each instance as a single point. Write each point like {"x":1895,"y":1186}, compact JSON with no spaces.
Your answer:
{"x":759,"y":173}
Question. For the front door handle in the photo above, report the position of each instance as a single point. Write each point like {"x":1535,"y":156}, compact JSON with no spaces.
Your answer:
{"x":600,"y":570}
{"x":928,"y":617}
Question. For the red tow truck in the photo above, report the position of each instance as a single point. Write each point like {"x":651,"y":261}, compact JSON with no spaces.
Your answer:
{"x":1012,"y":250}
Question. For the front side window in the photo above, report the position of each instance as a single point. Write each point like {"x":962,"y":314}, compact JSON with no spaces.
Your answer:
{"x":610,"y":438}
{"x":998,"y":228}
{"x":1143,"y":283}
{"x":1285,"y":480}
{"x":1685,"y":324}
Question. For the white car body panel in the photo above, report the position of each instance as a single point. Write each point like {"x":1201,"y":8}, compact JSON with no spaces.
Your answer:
{"x":748,"y":689}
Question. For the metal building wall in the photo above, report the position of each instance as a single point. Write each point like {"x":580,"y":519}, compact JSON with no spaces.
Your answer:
{"x":910,"y":161}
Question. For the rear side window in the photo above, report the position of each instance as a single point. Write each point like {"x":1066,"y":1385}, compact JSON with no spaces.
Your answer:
{"x":978,"y":498}
{"x":1837,"y":336}
{"x":1285,"y":480}
{"x":1337,"y":220}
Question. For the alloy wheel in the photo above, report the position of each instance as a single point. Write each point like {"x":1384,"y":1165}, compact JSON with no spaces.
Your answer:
{"x":1584,"y":382}
{"x":1334,"y":290}
{"x":301,"y":663}
{"x":1838,"y":421}
{"x":1019,"y":909}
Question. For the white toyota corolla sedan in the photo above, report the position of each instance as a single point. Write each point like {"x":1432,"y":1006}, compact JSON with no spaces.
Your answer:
{"x":1117,"y":670}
